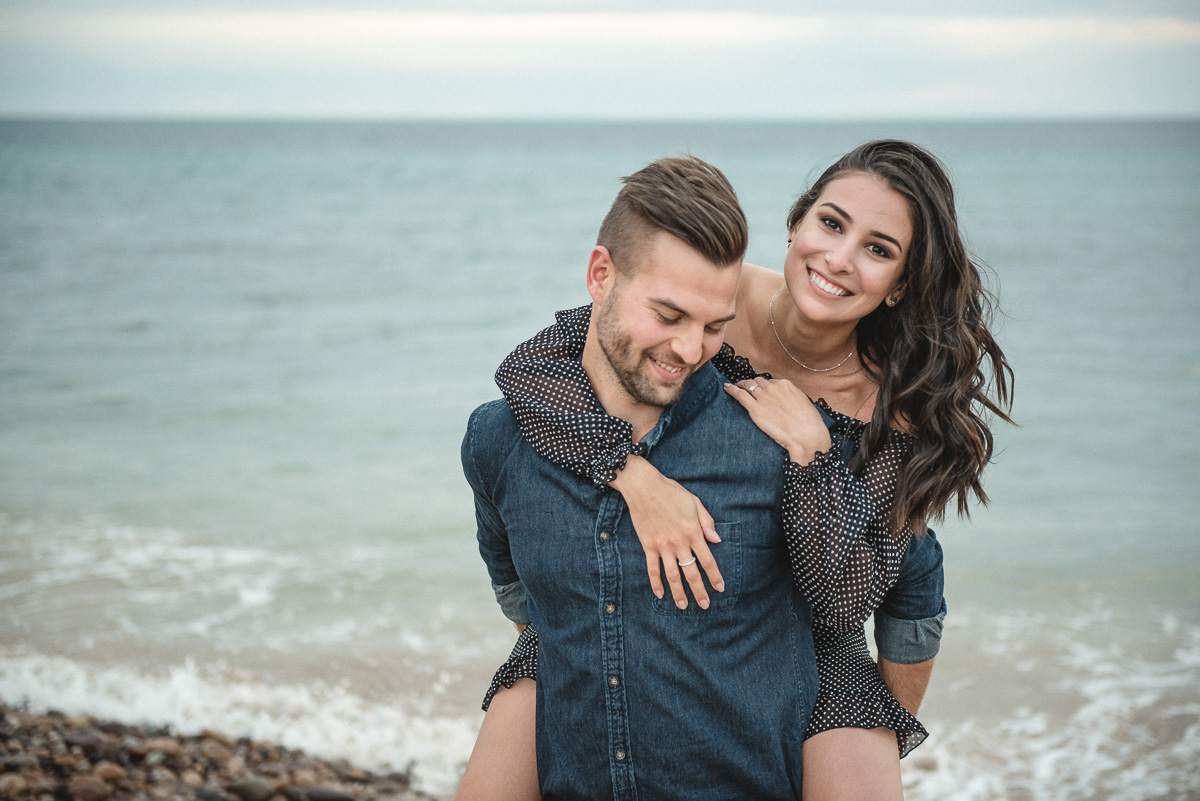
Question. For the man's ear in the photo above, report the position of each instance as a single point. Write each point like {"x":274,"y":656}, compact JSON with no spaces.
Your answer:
{"x":601,"y":274}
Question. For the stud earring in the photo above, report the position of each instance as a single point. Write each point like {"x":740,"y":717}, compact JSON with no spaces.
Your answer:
{"x":892,"y":301}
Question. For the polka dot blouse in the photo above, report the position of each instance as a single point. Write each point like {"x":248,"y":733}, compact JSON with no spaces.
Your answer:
{"x":842,"y":557}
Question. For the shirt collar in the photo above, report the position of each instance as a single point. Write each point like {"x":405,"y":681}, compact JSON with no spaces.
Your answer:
{"x":699,"y":390}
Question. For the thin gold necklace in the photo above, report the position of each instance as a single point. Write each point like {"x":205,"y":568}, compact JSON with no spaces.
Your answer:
{"x":771,"y":314}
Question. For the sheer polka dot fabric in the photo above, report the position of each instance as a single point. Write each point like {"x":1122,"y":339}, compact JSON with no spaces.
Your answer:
{"x":842,"y":556}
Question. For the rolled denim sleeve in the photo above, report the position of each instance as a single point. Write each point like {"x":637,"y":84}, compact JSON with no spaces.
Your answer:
{"x":512,"y":600}
{"x":908,"y":624}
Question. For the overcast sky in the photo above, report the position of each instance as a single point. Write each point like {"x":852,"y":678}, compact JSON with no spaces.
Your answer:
{"x":640,"y":59}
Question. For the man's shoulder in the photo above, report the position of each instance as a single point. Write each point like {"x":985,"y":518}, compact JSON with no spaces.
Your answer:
{"x":492,"y":432}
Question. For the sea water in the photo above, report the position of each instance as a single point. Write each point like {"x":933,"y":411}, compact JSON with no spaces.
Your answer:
{"x":236,"y":361}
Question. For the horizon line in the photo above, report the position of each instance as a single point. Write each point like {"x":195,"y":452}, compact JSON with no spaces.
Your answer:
{"x":7,"y":116}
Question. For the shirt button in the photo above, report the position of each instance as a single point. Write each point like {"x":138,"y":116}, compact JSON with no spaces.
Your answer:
{"x":620,"y":755}
{"x":604,"y":535}
{"x":614,"y":681}
{"x":610,"y":608}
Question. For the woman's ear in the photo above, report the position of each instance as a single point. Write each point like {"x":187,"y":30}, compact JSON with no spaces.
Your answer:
{"x":601,"y":274}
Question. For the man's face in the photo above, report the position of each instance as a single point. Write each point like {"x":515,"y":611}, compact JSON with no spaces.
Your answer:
{"x":663,"y":320}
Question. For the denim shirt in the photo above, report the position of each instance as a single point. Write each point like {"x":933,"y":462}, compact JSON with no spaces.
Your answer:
{"x":635,"y":697}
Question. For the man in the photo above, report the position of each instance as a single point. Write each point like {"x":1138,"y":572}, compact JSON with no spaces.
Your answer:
{"x":636,"y":697}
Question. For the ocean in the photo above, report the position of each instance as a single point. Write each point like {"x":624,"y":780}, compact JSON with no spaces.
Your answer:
{"x":237,"y":358}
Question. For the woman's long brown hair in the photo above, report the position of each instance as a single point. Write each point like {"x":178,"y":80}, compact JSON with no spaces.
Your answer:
{"x":939,"y":368}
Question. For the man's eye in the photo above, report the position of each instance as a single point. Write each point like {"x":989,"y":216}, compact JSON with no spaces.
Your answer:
{"x":668,"y":320}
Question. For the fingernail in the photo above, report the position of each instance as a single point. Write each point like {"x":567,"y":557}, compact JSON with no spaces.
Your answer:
{"x":715,"y":536}
{"x":704,"y":603}
{"x":658,"y":594}
{"x":681,"y":604}
{"x":719,"y":586}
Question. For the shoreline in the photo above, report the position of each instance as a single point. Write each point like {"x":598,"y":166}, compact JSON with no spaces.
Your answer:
{"x":48,"y":756}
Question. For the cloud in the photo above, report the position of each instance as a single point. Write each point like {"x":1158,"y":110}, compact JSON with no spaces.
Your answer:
{"x":414,"y":38}
{"x":378,"y":61}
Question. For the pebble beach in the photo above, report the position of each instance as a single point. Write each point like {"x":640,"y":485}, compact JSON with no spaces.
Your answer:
{"x":52,"y":756}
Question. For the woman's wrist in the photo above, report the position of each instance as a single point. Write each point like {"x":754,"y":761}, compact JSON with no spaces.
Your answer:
{"x":803,"y":450}
{"x":632,"y":475}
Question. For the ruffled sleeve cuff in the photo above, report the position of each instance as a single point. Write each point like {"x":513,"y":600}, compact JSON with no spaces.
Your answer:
{"x":609,"y":462}
{"x":521,"y":664}
{"x":825,"y":465}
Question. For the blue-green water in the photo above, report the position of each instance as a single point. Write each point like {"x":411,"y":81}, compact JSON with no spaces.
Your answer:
{"x":236,"y":360}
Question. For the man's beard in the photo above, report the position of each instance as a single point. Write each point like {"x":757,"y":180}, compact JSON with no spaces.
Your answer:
{"x":617,"y":347}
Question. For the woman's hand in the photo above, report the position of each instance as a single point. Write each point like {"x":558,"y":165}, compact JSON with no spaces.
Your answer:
{"x":673,"y":527}
{"x":785,"y":414}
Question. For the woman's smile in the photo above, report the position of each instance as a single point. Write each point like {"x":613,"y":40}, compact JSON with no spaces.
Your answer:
{"x":825,"y":285}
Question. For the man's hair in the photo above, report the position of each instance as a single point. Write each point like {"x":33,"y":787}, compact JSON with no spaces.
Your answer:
{"x":683,"y":196}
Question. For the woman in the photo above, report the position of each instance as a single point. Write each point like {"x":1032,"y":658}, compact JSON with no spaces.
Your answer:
{"x":881,"y":315}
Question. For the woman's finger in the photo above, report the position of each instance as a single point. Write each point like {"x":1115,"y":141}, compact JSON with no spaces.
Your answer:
{"x":707,"y":563}
{"x":653,"y":563}
{"x":670,"y":567}
{"x":691,"y":572}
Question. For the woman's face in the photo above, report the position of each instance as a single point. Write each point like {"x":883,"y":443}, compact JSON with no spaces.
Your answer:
{"x":848,"y":252}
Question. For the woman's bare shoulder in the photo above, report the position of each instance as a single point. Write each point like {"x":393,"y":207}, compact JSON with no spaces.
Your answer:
{"x":756,"y":283}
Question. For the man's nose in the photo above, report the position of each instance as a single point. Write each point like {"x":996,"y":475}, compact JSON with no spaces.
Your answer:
{"x":689,"y":346}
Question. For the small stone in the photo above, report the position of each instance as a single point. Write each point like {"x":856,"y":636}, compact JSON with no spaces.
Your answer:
{"x":21,"y":761}
{"x":86,"y":739}
{"x":214,"y":751}
{"x":13,"y":785}
{"x":68,"y":761}
{"x":79,"y":721}
{"x":235,"y":767}
{"x":192,"y":779}
{"x":109,"y":772}
{"x":162,"y":776}
{"x":88,"y":788}
{"x":43,"y":784}
{"x":211,"y":792}
{"x":253,"y":788}
{"x":326,"y":794}
{"x":115,"y":729}
{"x":167,"y":745}
{"x":403,"y":779}
{"x":154,"y":759}
{"x":304,"y":777}
{"x":386,"y":787}
{"x":221,"y":737}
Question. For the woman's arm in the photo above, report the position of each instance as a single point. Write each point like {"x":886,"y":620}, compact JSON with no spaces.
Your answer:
{"x":843,"y":558}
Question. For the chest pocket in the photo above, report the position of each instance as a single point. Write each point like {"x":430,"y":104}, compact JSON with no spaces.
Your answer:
{"x":730,"y":560}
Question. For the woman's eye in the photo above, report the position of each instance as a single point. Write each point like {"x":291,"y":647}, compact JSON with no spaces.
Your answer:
{"x":880,"y":251}
{"x":831,"y":223}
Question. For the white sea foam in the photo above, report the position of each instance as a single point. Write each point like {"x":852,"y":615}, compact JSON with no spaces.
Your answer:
{"x":327,"y":721}
{"x":1114,"y":718}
